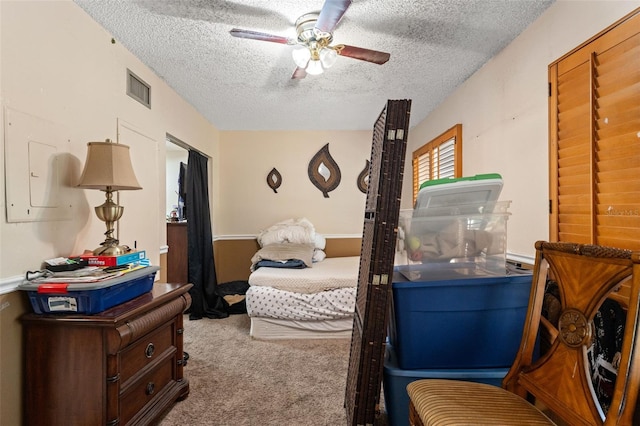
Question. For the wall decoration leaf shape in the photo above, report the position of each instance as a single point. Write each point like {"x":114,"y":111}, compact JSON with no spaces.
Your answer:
{"x":274,"y":179}
{"x":324,"y":172}
{"x":363,"y":177}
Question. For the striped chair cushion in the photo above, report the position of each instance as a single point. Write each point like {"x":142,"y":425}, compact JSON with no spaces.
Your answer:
{"x":441,"y":402}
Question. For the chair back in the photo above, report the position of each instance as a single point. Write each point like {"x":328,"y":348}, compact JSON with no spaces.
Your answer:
{"x":561,"y":378}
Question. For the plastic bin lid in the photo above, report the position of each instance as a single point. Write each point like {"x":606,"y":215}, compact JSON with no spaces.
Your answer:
{"x":471,"y":194}
{"x":484,"y":176}
{"x":85,"y":286}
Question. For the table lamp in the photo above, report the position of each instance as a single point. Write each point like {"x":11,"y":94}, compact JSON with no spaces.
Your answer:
{"x":108,"y":168}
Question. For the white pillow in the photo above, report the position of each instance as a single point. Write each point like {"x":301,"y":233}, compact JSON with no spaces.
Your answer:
{"x":296,"y":231}
{"x":320,"y":241}
{"x":318,"y":255}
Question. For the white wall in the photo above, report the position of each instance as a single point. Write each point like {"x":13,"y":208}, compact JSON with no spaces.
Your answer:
{"x":60,"y":66}
{"x":503,"y":109}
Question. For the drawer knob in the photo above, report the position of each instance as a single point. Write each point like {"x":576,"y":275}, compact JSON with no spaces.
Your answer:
{"x":150,"y":388}
{"x":149,"y":350}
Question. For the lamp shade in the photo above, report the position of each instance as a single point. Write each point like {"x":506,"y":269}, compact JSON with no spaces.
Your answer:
{"x":328,"y":57}
{"x":301,"y":56}
{"x":314,"y":67}
{"x":108,"y":165}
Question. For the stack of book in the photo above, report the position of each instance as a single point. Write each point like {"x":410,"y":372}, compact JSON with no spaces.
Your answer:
{"x":87,"y":268}
{"x":132,"y":258}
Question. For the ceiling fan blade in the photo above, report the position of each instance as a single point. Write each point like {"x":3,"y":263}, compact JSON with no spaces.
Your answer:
{"x":255,"y":35}
{"x":330,"y":15}
{"x":363,"y":54}
{"x":299,"y":74}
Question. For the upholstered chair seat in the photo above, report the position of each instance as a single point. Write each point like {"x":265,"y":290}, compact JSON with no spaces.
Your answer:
{"x":452,"y":402}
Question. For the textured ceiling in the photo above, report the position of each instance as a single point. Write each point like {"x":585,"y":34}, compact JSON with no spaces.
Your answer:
{"x":241,"y":84}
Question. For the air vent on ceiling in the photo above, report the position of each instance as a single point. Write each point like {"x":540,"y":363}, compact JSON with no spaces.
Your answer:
{"x":138,"y":89}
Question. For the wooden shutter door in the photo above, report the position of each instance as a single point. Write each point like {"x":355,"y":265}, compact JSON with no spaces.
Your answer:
{"x":595,"y":140}
{"x":617,"y":139}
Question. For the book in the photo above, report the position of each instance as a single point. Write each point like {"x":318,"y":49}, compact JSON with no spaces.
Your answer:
{"x":123,"y":259}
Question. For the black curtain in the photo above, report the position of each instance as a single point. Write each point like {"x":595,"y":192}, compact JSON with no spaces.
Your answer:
{"x":205,"y":295}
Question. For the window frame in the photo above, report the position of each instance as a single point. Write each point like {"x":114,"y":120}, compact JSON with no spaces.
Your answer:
{"x":430,"y":148}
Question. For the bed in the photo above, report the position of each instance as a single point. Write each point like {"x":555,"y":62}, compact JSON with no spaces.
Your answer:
{"x":296,"y":292}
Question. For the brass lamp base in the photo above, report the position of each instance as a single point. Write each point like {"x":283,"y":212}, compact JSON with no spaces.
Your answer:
{"x":111,"y":249}
{"x":110,"y":212}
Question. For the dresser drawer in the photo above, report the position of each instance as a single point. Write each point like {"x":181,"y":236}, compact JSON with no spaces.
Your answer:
{"x":145,"y":351}
{"x":147,"y":388}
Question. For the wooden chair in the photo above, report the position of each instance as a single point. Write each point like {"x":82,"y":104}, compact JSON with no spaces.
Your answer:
{"x":557,"y":385}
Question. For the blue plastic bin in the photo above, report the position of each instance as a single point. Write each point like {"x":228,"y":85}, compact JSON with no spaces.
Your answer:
{"x":90,"y":298}
{"x":396,"y":399}
{"x":460,"y":322}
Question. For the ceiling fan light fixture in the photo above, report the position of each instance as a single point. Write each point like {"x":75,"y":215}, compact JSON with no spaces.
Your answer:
{"x":313,"y":52}
{"x":301,"y":56}
{"x":314,"y":67}
{"x":328,"y":57}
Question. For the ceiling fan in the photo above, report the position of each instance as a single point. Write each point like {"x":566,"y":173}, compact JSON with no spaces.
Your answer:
{"x":313,"y":52}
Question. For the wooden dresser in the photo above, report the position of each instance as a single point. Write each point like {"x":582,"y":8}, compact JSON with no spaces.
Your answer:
{"x":123,"y":366}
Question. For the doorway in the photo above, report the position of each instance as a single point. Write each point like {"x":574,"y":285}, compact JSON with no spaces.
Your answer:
{"x":177,"y":157}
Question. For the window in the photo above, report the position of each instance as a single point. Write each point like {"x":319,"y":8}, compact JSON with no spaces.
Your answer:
{"x":440,"y":158}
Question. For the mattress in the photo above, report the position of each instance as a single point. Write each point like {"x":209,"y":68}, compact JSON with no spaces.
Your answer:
{"x":316,"y":302}
{"x":271,"y":302}
{"x":331,"y":273}
{"x":271,"y":329}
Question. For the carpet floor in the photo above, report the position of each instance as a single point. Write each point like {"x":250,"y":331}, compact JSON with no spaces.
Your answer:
{"x":239,"y":381}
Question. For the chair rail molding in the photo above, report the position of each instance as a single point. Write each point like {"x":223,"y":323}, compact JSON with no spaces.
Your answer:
{"x":7,"y":285}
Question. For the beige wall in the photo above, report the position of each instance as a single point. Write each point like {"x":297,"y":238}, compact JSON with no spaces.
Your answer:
{"x":249,"y":204}
{"x":504,"y":114}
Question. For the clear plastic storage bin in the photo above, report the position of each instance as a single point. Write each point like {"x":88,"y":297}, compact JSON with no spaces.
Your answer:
{"x":472,"y":237}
